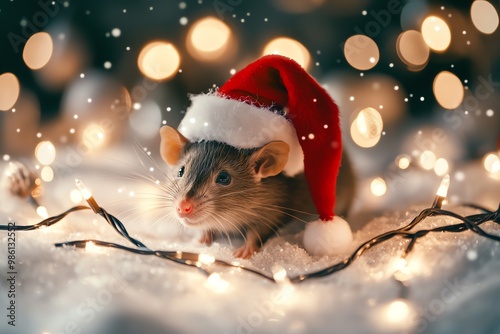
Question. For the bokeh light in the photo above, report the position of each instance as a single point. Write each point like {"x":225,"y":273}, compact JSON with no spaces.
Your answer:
{"x":448,"y":90}
{"x":378,"y":187}
{"x":436,"y":33}
{"x":403,"y":161}
{"x":367,"y":127}
{"x":9,"y":86}
{"x":76,"y":196}
{"x":146,"y":121}
{"x":47,"y":174}
{"x":298,"y":6}
{"x":361,"y":52}
{"x":45,"y":152}
{"x":398,"y":313}
{"x":159,"y":60}
{"x":491,"y":162}
{"x":484,"y":16}
{"x":289,"y":47}
{"x":427,"y":160}
{"x":441,"y":167}
{"x":93,"y":137}
{"x":412,"y":49}
{"x":38,"y":50}
{"x":209,"y":39}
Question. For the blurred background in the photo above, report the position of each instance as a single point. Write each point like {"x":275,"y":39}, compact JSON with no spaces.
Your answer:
{"x":417,"y":81}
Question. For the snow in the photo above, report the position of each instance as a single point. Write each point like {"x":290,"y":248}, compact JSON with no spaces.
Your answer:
{"x":452,"y":282}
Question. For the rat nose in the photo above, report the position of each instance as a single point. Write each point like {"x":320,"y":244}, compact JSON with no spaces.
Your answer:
{"x":184,"y":207}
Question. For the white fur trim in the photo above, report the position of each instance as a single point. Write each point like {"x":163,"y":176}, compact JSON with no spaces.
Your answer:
{"x":330,"y":237}
{"x":239,"y":124}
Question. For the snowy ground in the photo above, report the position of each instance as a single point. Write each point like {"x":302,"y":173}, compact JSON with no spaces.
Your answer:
{"x":454,"y":278}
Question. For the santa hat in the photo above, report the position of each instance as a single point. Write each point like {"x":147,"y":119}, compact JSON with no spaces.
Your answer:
{"x":274,"y":98}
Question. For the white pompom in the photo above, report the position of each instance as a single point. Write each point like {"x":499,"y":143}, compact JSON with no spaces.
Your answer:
{"x":327,"y":237}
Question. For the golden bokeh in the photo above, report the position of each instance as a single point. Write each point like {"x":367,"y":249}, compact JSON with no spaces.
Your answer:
{"x":9,"y":88}
{"x":436,"y":33}
{"x":403,"y":161}
{"x":448,"y":90}
{"x":361,"y":52}
{"x":441,"y":167}
{"x":366,"y":129}
{"x":491,"y":162}
{"x":427,"y":160}
{"x":208,"y":39}
{"x":47,"y":174}
{"x":378,"y":187}
{"x":45,"y":152}
{"x":38,"y":50}
{"x":289,"y":47}
{"x":484,"y":16}
{"x":412,"y":49}
{"x":159,"y":60}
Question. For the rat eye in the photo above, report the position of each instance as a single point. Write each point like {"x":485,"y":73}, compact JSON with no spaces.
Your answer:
{"x":223,"y":178}
{"x":181,"y":172}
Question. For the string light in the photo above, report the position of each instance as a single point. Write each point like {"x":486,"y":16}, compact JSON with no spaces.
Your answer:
{"x":442,"y":192}
{"x":205,"y":262}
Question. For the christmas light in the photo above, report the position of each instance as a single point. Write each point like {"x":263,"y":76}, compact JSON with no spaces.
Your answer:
{"x":279,"y":276}
{"x":42,"y":212}
{"x":442,"y":192}
{"x":216,"y":283}
{"x":88,"y":196}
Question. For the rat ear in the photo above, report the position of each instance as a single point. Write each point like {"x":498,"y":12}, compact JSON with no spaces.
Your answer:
{"x":271,"y":158}
{"x":172,"y":142}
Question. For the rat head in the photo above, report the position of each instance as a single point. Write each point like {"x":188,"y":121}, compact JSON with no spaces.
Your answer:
{"x":217,"y":186}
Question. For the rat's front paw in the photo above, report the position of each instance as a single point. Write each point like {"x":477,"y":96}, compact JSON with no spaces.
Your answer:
{"x":207,"y":238}
{"x":246,"y":251}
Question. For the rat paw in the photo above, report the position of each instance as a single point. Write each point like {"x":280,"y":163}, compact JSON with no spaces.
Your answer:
{"x":207,"y":238}
{"x":246,"y":251}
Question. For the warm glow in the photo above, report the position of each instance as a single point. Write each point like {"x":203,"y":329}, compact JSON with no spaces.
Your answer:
{"x":45,"y":152}
{"x":83,"y":189}
{"x":378,"y":187}
{"x":441,"y":167}
{"x":75,"y":196}
{"x":279,"y":274}
{"x":484,"y":16}
{"x":159,"y":60}
{"x":91,"y":247}
{"x":397,"y":312}
{"x":443,"y":187}
{"x":216,"y":283}
{"x":38,"y":50}
{"x":367,"y":127}
{"x":208,"y":39}
{"x":491,"y":162}
{"x":427,"y":160}
{"x":42,"y":212}
{"x":403,"y":161}
{"x":206,"y":259}
{"x":47,"y":174}
{"x":288,"y":47}
{"x":93,"y":137}
{"x":436,"y":33}
{"x":361,"y":52}
{"x":9,"y":86}
{"x":448,"y":90}
{"x":412,"y":49}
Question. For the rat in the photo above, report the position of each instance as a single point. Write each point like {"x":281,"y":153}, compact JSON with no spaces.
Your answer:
{"x":217,"y":188}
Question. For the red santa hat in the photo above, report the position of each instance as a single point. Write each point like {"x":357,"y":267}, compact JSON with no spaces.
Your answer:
{"x":274,"y":98}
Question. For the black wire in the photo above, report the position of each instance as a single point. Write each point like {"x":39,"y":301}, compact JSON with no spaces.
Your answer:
{"x":470,"y":222}
{"x":44,"y":223}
